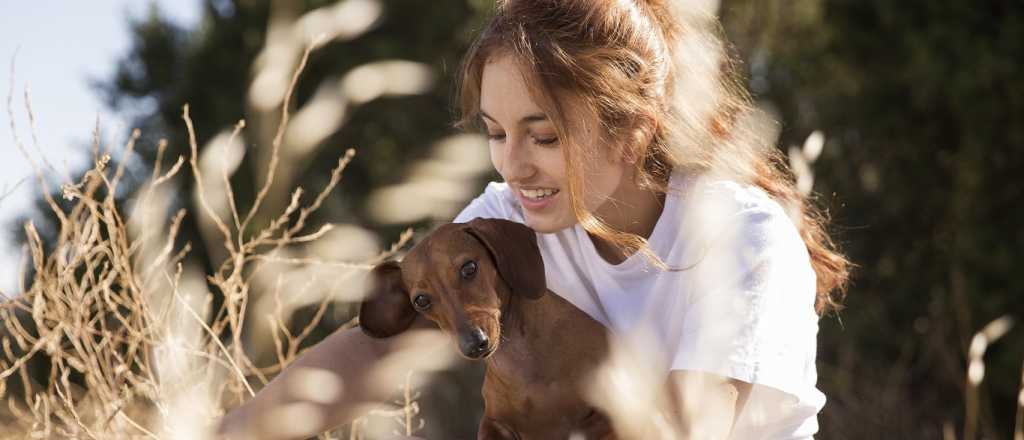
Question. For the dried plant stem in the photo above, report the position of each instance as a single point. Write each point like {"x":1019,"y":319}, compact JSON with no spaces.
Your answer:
{"x":21,"y":360}
{"x":411,"y":408}
{"x":33,"y":131}
{"x":216,"y":340}
{"x":111,"y":304}
{"x":128,"y":150}
{"x":137,"y":426}
{"x":276,"y":145}
{"x":976,"y":369}
{"x":8,"y":191}
{"x":21,"y":148}
{"x":1018,"y":430}
{"x":227,"y":181}
{"x":194,"y":161}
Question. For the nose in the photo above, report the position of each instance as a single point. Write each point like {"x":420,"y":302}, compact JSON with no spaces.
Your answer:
{"x":514,"y":160}
{"x":474,"y":343}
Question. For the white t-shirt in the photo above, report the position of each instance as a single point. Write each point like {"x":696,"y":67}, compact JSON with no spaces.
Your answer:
{"x":742,"y":307}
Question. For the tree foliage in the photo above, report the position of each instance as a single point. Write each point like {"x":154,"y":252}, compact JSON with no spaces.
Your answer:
{"x":919,"y":102}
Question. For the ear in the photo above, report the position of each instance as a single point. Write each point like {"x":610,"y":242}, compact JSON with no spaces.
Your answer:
{"x":513,"y":247}
{"x":386,"y":310}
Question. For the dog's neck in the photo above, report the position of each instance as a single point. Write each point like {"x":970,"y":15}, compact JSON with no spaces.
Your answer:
{"x":512,"y":323}
{"x":547,"y":351}
{"x":524,"y":335}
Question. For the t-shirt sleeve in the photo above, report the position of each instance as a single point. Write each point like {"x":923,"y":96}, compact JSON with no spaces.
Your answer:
{"x":494,"y":202}
{"x":750,"y":310}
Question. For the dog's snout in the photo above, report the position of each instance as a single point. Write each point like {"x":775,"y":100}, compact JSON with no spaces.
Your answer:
{"x":474,"y":343}
{"x":483,"y":343}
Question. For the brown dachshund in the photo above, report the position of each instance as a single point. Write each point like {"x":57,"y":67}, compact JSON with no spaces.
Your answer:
{"x":483,"y":283}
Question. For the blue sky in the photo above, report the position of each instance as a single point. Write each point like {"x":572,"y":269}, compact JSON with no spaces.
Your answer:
{"x":60,"y":46}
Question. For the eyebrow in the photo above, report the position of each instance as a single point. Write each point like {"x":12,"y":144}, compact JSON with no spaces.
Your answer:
{"x":528,"y":119}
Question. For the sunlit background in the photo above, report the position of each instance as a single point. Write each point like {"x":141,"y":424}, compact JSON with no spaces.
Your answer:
{"x":903,"y":121}
{"x":59,"y":48}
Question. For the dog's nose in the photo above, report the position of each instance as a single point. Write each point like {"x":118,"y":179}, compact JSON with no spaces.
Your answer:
{"x":474,"y":343}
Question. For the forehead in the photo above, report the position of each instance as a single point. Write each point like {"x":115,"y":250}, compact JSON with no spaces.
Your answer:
{"x":504,"y":91}
{"x":448,"y":246}
{"x":505,"y":94}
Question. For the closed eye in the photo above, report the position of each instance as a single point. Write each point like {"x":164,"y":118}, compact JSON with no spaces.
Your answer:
{"x":545,"y":141}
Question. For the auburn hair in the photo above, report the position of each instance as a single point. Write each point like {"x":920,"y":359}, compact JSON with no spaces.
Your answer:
{"x":665,"y":91}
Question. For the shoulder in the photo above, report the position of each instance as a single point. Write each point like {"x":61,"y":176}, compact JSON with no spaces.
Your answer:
{"x":740,"y":235}
{"x":724,"y":199}
{"x":496,"y":201}
{"x":739,"y":216}
{"x":749,"y":312}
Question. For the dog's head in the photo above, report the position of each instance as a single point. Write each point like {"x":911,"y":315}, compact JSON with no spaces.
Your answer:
{"x":458,"y":277}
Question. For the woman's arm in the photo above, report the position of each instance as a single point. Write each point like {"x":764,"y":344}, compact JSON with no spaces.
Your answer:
{"x":330,"y":384}
{"x":704,"y":405}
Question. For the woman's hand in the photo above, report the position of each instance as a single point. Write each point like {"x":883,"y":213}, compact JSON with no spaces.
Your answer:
{"x":704,"y":405}
{"x":329,"y":385}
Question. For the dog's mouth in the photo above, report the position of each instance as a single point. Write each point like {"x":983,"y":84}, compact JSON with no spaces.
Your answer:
{"x":480,"y":354}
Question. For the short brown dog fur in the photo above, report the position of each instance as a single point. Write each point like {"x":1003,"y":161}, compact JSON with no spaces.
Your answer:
{"x":483,"y":283}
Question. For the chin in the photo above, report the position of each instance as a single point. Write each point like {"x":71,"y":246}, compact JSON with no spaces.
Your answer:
{"x":547,"y":225}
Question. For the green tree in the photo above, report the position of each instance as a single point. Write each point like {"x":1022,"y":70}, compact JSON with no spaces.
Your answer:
{"x":216,"y":68}
{"x":920,"y":104}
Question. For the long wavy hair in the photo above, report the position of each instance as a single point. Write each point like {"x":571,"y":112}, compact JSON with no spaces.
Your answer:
{"x":666,"y":93}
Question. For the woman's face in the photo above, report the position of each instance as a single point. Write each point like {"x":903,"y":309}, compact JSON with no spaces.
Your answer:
{"x":526,"y":151}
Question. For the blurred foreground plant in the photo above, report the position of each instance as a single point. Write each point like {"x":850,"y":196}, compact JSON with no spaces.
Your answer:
{"x":120,"y":335}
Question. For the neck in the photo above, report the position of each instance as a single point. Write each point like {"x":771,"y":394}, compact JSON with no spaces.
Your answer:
{"x":634,"y":210}
{"x":516,"y":333}
{"x":636,"y":215}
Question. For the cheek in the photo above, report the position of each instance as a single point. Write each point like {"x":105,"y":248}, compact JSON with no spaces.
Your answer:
{"x":602,"y":179}
{"x":551,"y":163}
{"x":442,"y":322}
{"x":434,"y":315}
{"x":496,"y":158}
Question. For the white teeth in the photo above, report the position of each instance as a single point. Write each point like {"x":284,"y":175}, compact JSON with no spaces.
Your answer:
{"x":538,"y":193}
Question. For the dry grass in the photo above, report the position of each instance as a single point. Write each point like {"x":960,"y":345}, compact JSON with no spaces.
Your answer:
{"x":125,"y":328}
{"x":119,"y":336}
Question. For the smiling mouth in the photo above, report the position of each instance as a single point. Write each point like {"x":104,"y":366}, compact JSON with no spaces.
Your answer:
{"x":539,"y":193}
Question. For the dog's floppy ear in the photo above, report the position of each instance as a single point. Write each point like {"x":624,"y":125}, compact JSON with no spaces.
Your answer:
{"x":386,"y":310}
{"x":513,"y":247}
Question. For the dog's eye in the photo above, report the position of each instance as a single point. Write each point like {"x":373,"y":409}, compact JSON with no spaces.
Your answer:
{"x":422,"y":302}
{"x":468,"y":270}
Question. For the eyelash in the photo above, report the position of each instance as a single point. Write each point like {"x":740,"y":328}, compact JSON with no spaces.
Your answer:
{"x":541,"y":142}
{"x":549,"y":141}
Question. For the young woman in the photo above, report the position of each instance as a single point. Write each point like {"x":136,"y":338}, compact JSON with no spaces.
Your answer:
{"x":621,"y":139}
